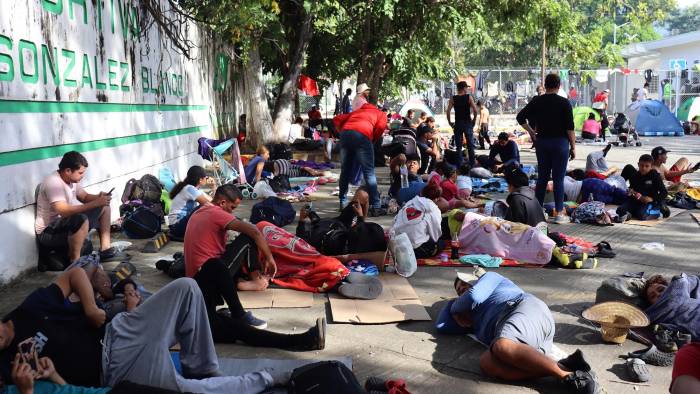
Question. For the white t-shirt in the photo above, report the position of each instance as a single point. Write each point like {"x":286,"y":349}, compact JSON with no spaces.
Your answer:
{"x":642,"y":94}
{"x":295,"y":131}
{"x":184,"y":203}
{"x":53,"y":189}
{"x":420,"y":219}
{"x":572,"y":188}
{"x":464,"y":182}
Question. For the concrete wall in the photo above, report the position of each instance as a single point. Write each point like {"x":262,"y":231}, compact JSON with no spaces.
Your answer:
{"x":98,"y":77}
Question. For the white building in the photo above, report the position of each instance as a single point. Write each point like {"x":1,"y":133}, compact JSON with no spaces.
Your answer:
{"x":662,"y":56}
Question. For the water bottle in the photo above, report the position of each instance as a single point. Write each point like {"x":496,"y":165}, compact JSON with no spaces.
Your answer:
{"x":590,"y":197}
{"x":404,"y":176}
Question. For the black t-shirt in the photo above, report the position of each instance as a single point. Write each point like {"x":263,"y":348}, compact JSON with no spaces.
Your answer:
{"x":60,"y":334}
{"x":550,"y":113}
{"x":462,"y":107}
{"x":649,"y":185}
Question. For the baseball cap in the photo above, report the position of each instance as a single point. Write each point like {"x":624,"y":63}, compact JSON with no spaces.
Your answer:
{"x":658,"y":151}
{"x":467,"y":277}
{"x":362,"y":87}
{"x":607,"y":90}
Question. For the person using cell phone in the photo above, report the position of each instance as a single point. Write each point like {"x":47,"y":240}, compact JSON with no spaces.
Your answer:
{"x":65,"y":213}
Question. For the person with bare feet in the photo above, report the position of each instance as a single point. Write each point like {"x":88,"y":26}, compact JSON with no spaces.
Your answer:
{"x":518,"y":329}
{"x":219,"y":268}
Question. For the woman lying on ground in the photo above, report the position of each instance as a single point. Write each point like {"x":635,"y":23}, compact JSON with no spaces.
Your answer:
{"x":285,"y":167}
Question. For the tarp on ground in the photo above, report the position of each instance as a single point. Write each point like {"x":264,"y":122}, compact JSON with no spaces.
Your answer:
{"x":653,"y":118}
{"x":689,"y":109}
{"x":417,"y":107}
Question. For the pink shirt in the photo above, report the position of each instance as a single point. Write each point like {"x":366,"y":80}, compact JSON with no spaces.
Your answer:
{"x":205,"y":237}
{"x":591,"y":126}
{"x":53,"y":189}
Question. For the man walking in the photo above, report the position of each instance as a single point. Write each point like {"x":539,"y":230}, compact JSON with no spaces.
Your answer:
{"x":345,"y":104}
{"x":358,"y":131}
{"x":465,"y":116}
{"x":484,"y":116}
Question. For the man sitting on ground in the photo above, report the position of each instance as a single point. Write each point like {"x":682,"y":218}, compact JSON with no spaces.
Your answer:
{"x":134,"y":346}
{"x":680,"y":168}
{"x":217,"y":267}
{"x":508,"y":152}
{"x":65,"y":212}
{"x":518,"y":329}
{"x":597,"y":166}
{"x":646,"y":194}
{"x":425,"y":141}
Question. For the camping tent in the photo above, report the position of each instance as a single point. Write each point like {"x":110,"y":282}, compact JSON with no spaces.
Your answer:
{"x":581,"y":115}
{"x":417,"y":107}
{"x":689,"y":109}
{"x":652,"y":118}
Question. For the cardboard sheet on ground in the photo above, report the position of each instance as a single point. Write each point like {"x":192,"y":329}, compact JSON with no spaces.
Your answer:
{"x":650,"y":223}
{"x":398,"y":302}
{"x":276,"y":298}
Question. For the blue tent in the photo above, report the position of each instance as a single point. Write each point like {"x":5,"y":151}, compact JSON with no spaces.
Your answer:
{"x":652,"y":118}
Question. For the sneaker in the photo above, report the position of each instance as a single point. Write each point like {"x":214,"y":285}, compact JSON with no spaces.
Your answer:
{"x":111,"y":254}
{"x":561,"y":219}
{"x":361,"y":286}
{"x":665,"y":211}
{"x":575,"y":362}
{"x":374,"y":212}
{"x":623,"y":218}
{"x":254,"y":321}
{"x":582,"y":382}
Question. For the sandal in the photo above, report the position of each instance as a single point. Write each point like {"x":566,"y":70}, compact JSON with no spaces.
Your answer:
{"x":654,"y":356}
{"x":605,"y":250}
{"x":637,"y":370}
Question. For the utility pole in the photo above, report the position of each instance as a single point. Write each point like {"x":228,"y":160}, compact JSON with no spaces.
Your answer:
{"x":544,"y":54}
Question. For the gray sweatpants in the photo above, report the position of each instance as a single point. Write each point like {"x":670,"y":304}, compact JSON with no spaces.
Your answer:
{"x":136,"y":345}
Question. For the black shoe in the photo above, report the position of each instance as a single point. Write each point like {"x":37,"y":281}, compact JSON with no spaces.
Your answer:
{"x":575,"y":362}
{"x":681,"y":339}
{"x":164,"y":265}
{"x":665,"y":211}
{"x":375,"y":384}
{"x":664,"y":341}
{"x":582,"y":382}
{"x":374,"y":212}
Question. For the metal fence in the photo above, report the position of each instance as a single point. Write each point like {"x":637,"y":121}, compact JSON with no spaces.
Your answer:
{"x":506,"y":91}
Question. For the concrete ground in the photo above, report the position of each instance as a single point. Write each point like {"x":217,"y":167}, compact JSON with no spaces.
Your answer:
{"x":449,"y":364}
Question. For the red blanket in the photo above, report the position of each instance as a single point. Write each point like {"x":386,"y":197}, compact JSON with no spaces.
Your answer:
{"x":299,"y":265}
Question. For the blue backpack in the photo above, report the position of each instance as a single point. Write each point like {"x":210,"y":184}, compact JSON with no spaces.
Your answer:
{"x":274,"y":210}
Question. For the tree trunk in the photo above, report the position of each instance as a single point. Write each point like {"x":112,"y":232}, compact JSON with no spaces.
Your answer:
{"x":284,"y":106}
{"x":259,"y":121}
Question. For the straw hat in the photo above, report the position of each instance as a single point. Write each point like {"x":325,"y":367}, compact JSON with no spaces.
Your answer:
{"x":615,"y":319}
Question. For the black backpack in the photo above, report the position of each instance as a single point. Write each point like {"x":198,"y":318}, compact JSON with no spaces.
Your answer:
{"x":147,"y":189}
{"x":141,"y":223}
{"x":279,"y":151}
{"x":280,"y":184}
{"x":324,"y":377}
{"x":274,"y":210}
{"x":366,"y":237}
{"x":329,"y":237}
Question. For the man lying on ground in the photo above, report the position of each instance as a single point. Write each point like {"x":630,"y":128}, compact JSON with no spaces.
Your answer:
{"x":578,"y":189}
{"x":646,"y":198}
{"x":65,"y":212}
{"x":597,"y":166}
{"x":517,"y":327}
{"x":133,"y":347}
{"x":680,"y":168}
{"x":675,"y":304}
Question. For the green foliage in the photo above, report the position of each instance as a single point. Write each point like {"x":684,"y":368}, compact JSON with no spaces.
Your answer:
{"x":684,"y":20}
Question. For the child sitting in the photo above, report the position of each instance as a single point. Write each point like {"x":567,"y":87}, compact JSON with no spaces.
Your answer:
{"x":646,"y":194}
{"x":464,"y":182}
{"x":448,"y":185}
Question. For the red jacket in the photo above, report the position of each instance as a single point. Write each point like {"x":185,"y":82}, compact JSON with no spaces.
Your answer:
{"x":367,"y":120}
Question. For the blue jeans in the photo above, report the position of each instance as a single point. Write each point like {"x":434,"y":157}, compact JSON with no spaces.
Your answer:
{"x":463,"y":128}
{"x":552,"y":158}
{"x":356,"y":148}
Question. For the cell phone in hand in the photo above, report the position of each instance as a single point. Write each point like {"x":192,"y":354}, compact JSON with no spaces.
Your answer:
{"x":110,"y":192}
{"x":27,"y":351}
{"x":696,"y":166}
